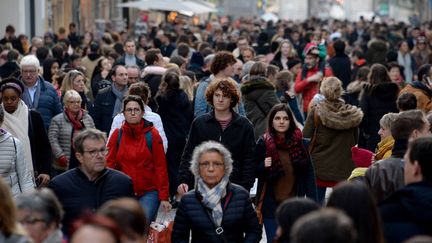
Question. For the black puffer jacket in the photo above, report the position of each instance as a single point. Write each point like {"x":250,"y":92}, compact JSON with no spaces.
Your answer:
{"x":240,"y":222}
{"x":238,"y":138}
{"x":377,"y":101}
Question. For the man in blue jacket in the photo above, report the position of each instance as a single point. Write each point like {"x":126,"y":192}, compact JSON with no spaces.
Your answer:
{"x":408,"y":212}
{"x":38,"y":94}
{"x":85,"y":188}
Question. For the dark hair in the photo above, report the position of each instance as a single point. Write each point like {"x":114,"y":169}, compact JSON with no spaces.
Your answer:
{"x":358,"y":203}
{"x":183,"y":50}
{"x":406,"y":123}
{"x":98,"y":68}
{"x":258,"y":69}
{"x":152,"y":56}
{"x":1,"y":114}
{"x":47,"y":64}
{"x":272,"y":114}
{"x":423,"y":71}
{"x":406,"y":101}
{"x":228,"y":87}
{"x":16,"y":82}
{"x":420,"y":150}
{"x":135,"y":98}
{"x":113,"y":71}
{"x":363,"y":73}
{"x":58,"y":52}
{"x":10,"y":29}
{"x":357,"y":53}
{"x":289,"y":211}
{"x":89,"y":133}
{"x":324,"y":226}
{"x":94,"y":47}
{"x":178,"y":60}
{"x":170,"y":83}
{"x":42,"y":53}
{"x":221,"y":61}
{"x":339,"y":46}
{"x":378,"y":74}
{"x":391,"y":65}
{"x":140,"y":89}
{"x":12,"y":55}
{"x":99,"y":222}
{"x":282,"y":80}
{"x":272,"y":70}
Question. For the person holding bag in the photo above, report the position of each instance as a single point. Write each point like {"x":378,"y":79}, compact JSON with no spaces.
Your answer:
{"x":285,"y":169}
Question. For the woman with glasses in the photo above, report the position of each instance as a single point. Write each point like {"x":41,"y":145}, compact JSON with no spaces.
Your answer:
{"x":28,"y":127}
{"x":63,"y":129}
{"x":137,"y":150}
{"x":75,"y":80}
{"x":217,"y":210}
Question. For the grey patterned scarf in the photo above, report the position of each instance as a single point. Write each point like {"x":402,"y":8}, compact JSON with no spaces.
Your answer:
{"x":212,"y":197}
{"x":119,"y":95}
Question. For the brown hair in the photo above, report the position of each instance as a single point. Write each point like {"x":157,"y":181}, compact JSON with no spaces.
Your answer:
{"x":140,"y":89}
{"x":221,"y":61}
{"x":228,"y":87}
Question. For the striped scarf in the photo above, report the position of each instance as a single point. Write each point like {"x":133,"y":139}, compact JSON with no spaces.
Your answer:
{"x":212,"y":197}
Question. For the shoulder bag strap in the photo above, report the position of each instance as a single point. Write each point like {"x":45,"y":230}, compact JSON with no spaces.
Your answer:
{"x":218,"y":229}
{"x":313,"y":140}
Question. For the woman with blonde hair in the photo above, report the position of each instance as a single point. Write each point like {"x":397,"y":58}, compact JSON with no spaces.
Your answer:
{"x":284,"y":53}
{"x":10,"y":230}
{"x":385,"y":146}
{"x":75,"y":80}
{"x":332,"y":126}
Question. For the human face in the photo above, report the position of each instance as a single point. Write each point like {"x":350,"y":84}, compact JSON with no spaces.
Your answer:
{"x":120,"y":77}
{"x":106,"y":64}
{"x":10,"y":100}
{"x":311,"y":61}
{"x":296,"y":69}
{"x":133,"y":113}
{"x":285,"y":49}
{"x":54,"y":68}
{"x":29,"y":75}
{"x":384,"y":132}
{"x":35,"y":225}
{"x":73,"y":104}
{"x":404,"y":47}
{"x":242,"y":44}
{"x":281,"y":122}
{"x":238,"y":67}
{"x":78,"y":84}
{"x":411,"y":174}
{"x":90,"y":233}
{"x":247,"y":55}
{"x":133,"y":75}
{"x":211,"y":168}
{"x":221,"y":102}
{"x":394,"y":73}
{"x":130,"y":48}
{"x":229,"y":70}
{"x":423,"y":132}
{"x":92,"y":159}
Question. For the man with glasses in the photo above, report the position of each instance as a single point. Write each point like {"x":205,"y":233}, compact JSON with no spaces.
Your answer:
{"x":87,"y":187}
{"x":38,"y":94}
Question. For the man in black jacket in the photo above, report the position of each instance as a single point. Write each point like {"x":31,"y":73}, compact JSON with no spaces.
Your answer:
{"x":87,"y":187}
{"x":130,"y":58}
{"x":408,"y":212}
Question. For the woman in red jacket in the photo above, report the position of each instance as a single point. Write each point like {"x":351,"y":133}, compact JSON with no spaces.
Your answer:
{"x":136,"y":149}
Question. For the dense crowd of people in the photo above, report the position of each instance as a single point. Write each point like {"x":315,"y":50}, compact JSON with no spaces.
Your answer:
{"x":97,"y":134}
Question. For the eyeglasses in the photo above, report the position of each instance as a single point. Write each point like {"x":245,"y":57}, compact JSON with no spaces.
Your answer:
{"x":31,"y":221}
{"x":134,"y":110}
{"x":207,"y":165}
{"x":94,"y":153}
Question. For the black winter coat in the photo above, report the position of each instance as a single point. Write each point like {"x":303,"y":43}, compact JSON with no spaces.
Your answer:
{"x":377,"y":101}
{"x":121,"y":61}
{"x":408,"y":212}
{"x":78,"y":195}
{"x":153,"y":81}
{"x":341,"y":67}
{"x":102,"y":111}
{"x":39,"y":144}
{"x":240,"y":222}
{"x":239,"y":139}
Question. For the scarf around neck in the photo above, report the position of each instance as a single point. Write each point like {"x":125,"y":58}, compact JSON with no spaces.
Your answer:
{"x":119,"y":99}
{"x":293,"y":145}
{"x":211,"y":198}
{"x":17,"y":124}
{"x":75,"y":120}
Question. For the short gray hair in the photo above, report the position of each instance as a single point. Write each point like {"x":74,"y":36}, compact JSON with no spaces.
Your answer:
{"x":207,"y":147}
{"x":30,"y":60}
{"x":71,"y":94}
{"x":42,"y":201}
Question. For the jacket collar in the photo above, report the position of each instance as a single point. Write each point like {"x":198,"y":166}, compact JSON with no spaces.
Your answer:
{"x":83,"y":176}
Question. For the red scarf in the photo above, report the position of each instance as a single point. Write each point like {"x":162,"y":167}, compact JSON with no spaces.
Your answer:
{"x":76,"y":121}
{"x":293,"y":145}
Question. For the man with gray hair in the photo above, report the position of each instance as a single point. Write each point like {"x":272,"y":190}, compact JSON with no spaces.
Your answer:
{"x":38,"y":94}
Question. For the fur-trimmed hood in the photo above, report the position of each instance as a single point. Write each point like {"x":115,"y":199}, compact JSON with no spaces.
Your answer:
{"x":338,"y":115}
{"x":255,"y":83}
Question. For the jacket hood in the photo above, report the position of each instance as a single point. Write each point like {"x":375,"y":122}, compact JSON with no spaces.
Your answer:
{"x":138,"y":130}
{"x":255,"y":83}
{"x":338,"y":115}
{"x":4,"y":135}
{"x":384,"y":91}
{"x":423,"y":87}
{"x":416,"y":199}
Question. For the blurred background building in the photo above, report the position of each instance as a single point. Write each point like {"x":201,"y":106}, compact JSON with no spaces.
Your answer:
{"x":35,"y":17}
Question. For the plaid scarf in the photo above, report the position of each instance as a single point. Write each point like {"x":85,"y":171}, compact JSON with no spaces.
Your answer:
{"x":292,"y":144}
{"x":211,"y":198}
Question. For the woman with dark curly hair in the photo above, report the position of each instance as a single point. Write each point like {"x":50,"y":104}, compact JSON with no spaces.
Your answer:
{"x":226,"y":126}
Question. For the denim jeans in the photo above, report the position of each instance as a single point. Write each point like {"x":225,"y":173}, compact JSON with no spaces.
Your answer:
{"x":270,"y":228}
{"x":150,"y":203}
